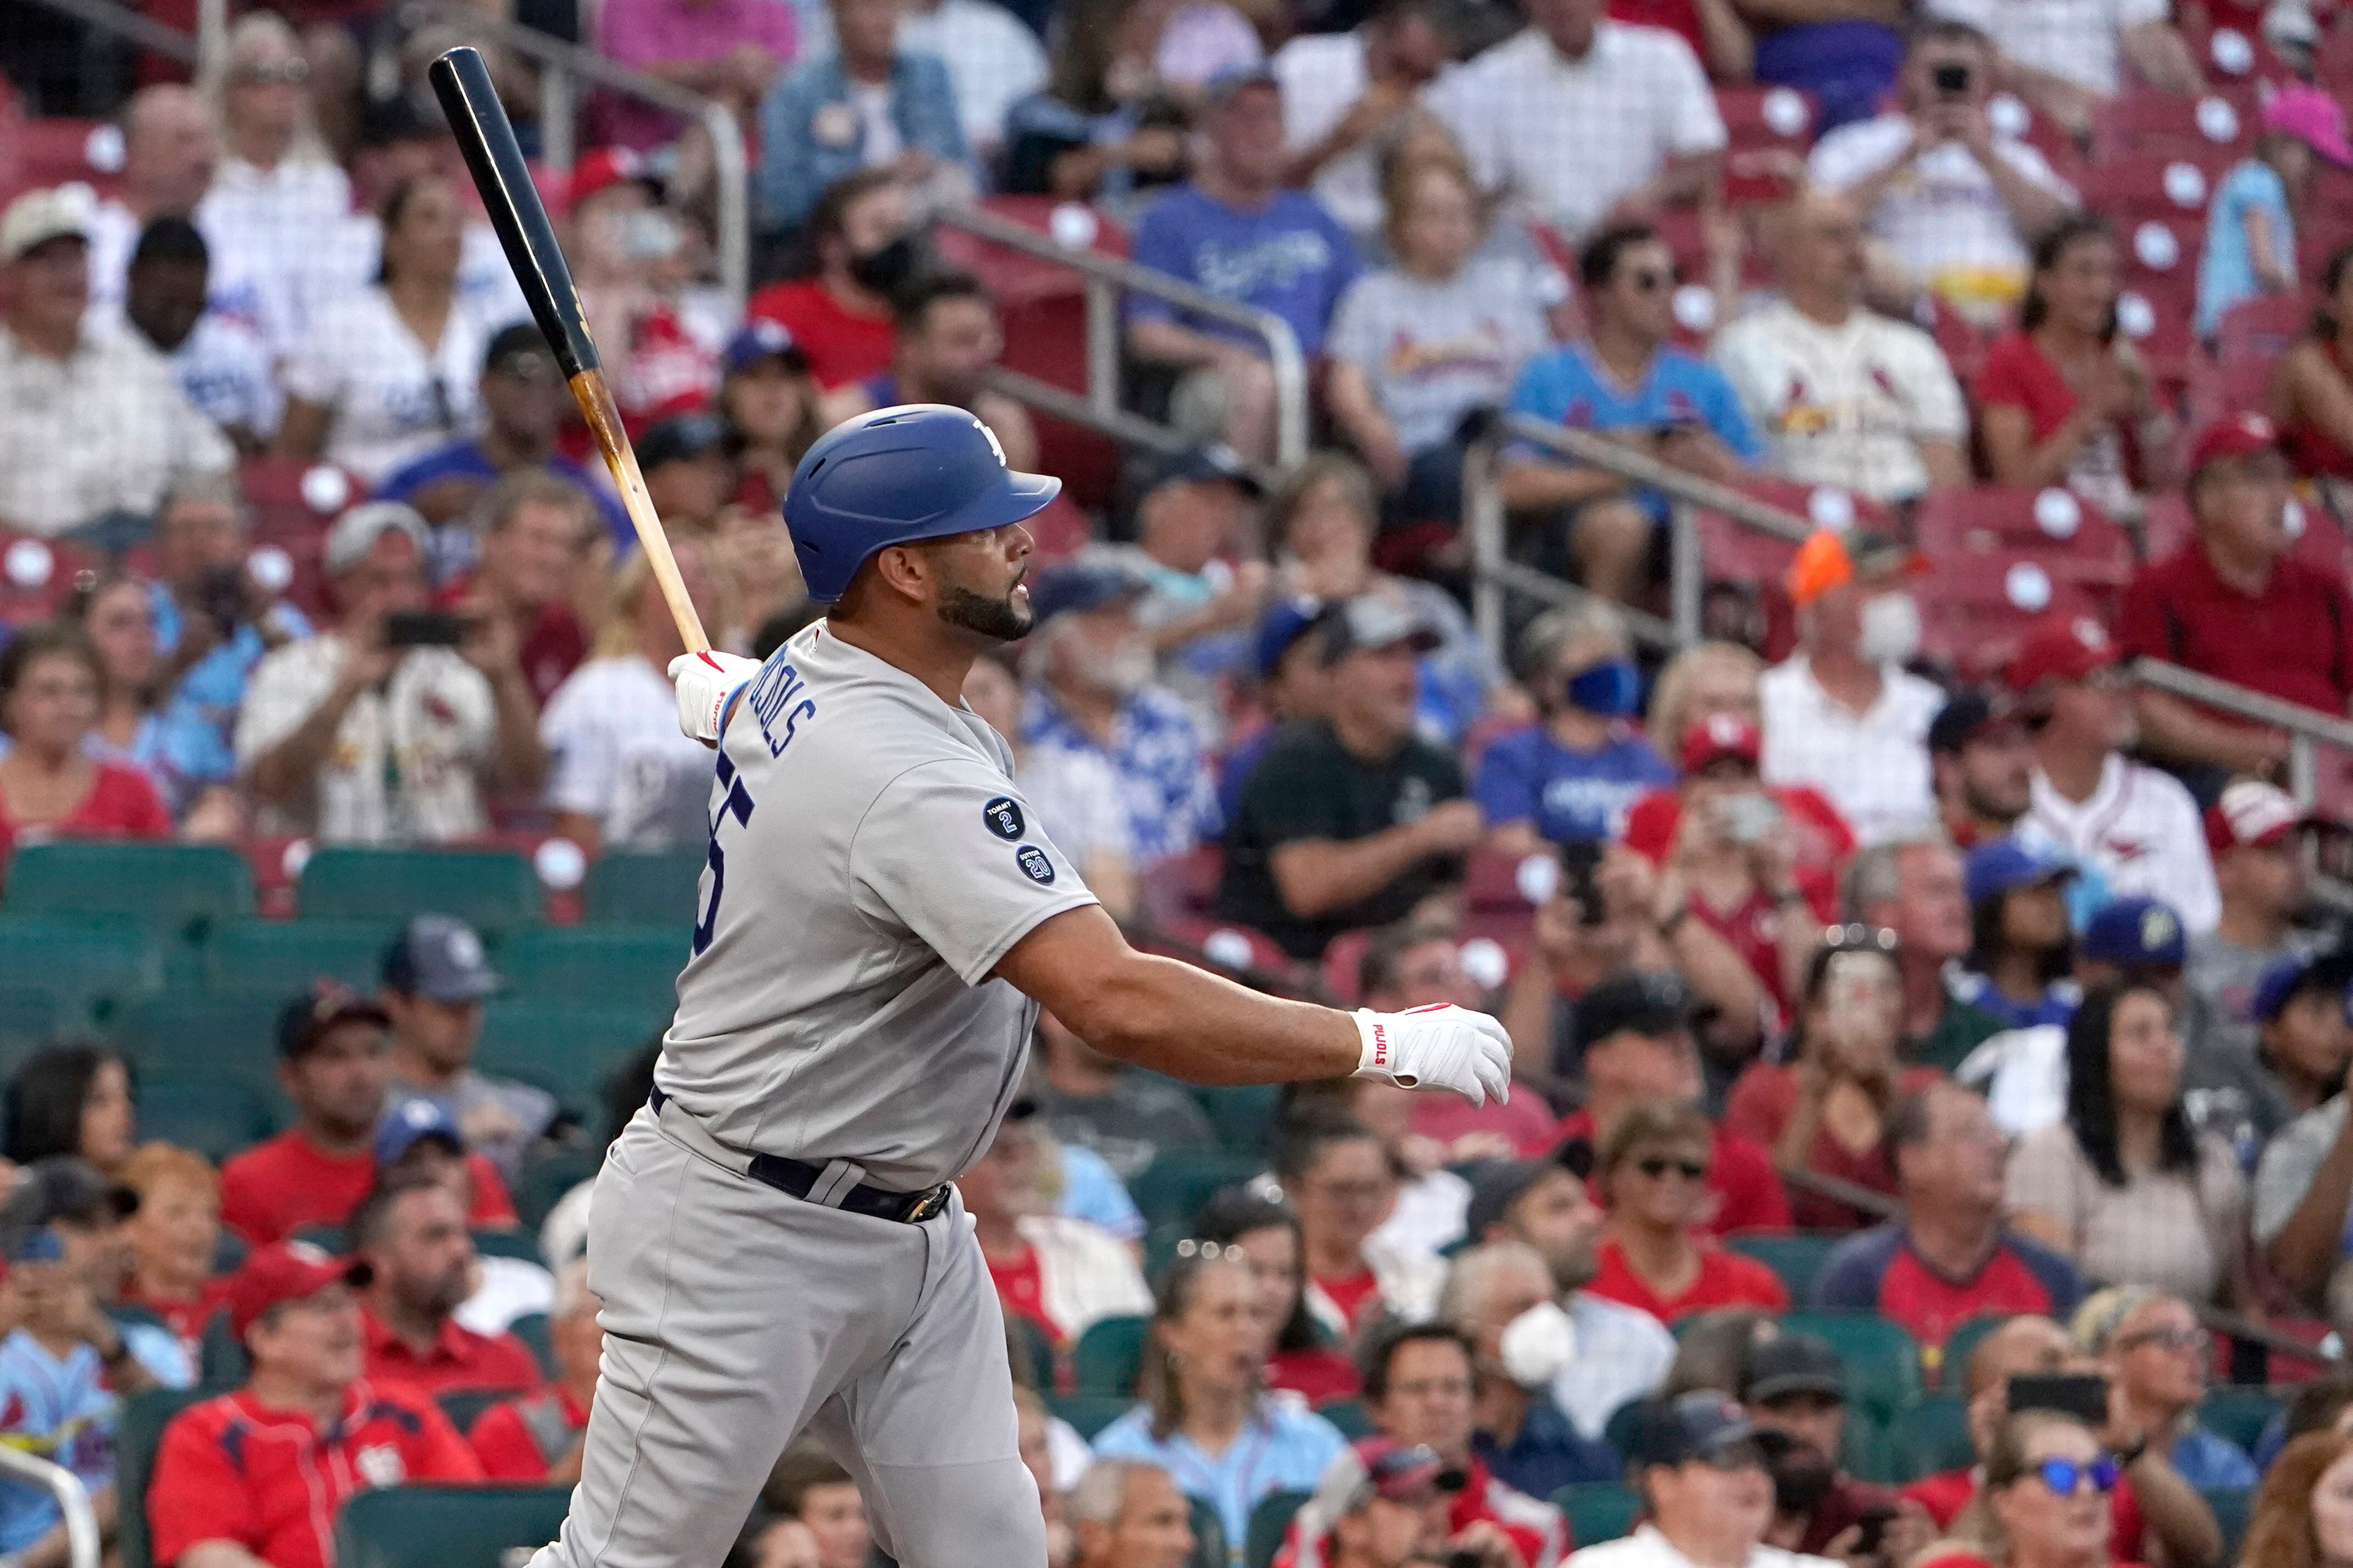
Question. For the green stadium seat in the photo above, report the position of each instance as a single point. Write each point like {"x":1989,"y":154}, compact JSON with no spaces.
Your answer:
{"x":1349,"y":1416}
{"x":1871,"y":1452}
{"x":1596,"y":1510}
{"x":655,"y":890}
{"x":1108,"y":1357}
{"x":1949,"y":1364}
{"x":619,"y":966}
{"x":137,"y":1433}
{"x":1160,"y":1247}
{"x":464,"y":1406}
{"x":494,"y":890}
{"x":565,"y":1050}
{"x":2232,"y":1509}
{"x":1619,"y":1430}
{"x":1882,"y":1361}
{"x":31,"y":1015}
{"x":1173,"y":1188}
{"x":1935,"y":1436}
{"x":1243,"y":1113}
{"x":1208,"y":1536}
{"x":532,"y":1329}
{"x":236,"y":1035}
{"x":90,"y":967}
{"x":1027,"y":1339}
{"x":1269,"y":1522}
{"x":280,"y":959}
{"x":221,"y":1360}
{"x":1089,"y":1414}
{"x":547,"y":1177}
{"x":520,"y":1245}
{"x":446,"y":1527}
{"x":1797,"y":1258}
{"x":2239,"y":1413}
{"x":181,"y":891}
{"x":216,"y":1114}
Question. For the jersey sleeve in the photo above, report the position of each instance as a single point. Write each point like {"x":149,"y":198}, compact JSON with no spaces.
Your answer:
{"x":951,"y":850}
{"x":195,"y":1494}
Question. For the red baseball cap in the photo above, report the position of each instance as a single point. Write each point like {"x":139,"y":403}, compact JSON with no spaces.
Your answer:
{"x":287,"y":1271}
{"x":2232,"y":436}
{"x":2251,"y":813}
{"x":602,"y":168}
{"x":1718,"y":736}
{"x":2061,"y":648}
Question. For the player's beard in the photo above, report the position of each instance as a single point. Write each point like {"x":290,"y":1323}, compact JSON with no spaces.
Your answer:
{"x":1000,"y":620}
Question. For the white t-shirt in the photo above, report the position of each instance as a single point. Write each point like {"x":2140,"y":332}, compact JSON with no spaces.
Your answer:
{"x":1646,"y":1548}
{"x":2140,"y":830}
{"x":276,"y":245}
{"x":616,"y":755}
{"x":993,"y":59}
{"x":2076,"y":40}
{"x":1567,"y":138}
{"x":225,"y":370}
{"x":872,"y":102}
{"x":1941,"y":218}
{"x":1322,"y":75}
{"x":106,"y":428}
{"x":1872,"y":766}
{"x":1848,"y":404}
{"x":393,"y":399}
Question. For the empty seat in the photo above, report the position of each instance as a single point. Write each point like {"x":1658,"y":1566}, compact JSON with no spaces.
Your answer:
{"x":659,"y":890}
{"x":1109,"y":1356}
{"x":214,"y":1113}
{"x":631,"y":966}
{"x":36,"y":576}
{"x":1981,"y":606}
{"x":1935,"y":1436}
{"x":1242,"y":1113}
{"x":1089,"y":1414}
{"x":565,"y":1050}
{"x":2239,"y":1413}
{"x":182,"y":890}
{"x":1179,"y":1181}
{"x":2143,"y":122}
{"x":2070,"y":537}
{"x":490,"y":889}
{"x":446,"y":1527}
{"x":236,"y":1034}
{"x":281,"y":959}
{"x":1597,"y":1510}
{"x":1795,"y":1258}
{"x":2263,"y":328}
{"x":91,"y":965}
{"x":137,"y":1433}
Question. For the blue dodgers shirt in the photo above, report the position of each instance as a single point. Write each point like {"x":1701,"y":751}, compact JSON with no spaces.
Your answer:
{"x":1290,"y":256}
{"x":1568,"y":386}
{"x":1571,"y":796}
{"x":467,"y":461}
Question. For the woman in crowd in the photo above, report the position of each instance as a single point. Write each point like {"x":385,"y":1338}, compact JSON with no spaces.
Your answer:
{"x":1263,"y":1230}
{"x":1826,"y":1109}
{"x":2312,"y":386}
{"x":389,"y":372}
{"x":1571,"y":777}
{"x":2065,"y":399}
{"x":2156,"y":1354}
{"x":72,"y":1099}
{"x":1107,"y":128}
{"x":1340,"y":1180}
{"x":1653,"y":1253}
{"x":114,"y":612}
{"x":1421,"y":342}
{"x":2303,"y":1513}
{"x":1074,"y":792}
{"x":2044,"y":1502}
{"x":2022,"y":948}
{"x":621,"y":776}
{"x":1203,"y":1393}
{"x":2123,"y":1186}
{"x":767,"y":400}
{"x":2250,"y":247}
{"x":172,"y":1237}
{"x":50,"y":784}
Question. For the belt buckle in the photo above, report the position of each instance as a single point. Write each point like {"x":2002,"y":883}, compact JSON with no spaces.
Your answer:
{"x":928,"y":1205}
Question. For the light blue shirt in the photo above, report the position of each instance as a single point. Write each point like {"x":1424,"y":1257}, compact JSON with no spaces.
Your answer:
{"x":1283,"y":1449}
{"x":195,"y":745}
{"x":2212,"y":1462}
{"x":2226,"y":272}
{"x":55,"y":1410}
{"x":1092,"y":1192}
{"x":1568,"y":386}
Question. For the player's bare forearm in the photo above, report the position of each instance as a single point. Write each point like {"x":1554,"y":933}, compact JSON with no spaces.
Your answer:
{"x":1170,"y":1016}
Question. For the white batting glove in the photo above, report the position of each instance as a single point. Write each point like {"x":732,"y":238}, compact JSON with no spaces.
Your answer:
{"x":707,"y":683}
{"x":1438,"y":1046}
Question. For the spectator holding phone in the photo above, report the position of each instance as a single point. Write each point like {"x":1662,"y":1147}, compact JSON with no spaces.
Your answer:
{"x":2044,"y":1504}
{"x":2156,"y":1353}
{"x":1793,"y":1388}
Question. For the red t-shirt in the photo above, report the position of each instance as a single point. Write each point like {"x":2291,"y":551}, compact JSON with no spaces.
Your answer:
{"x":269,"y":1480}
{"x":1724,"y":1279}
{"x":1761,"y":1104}
{"x":458,"y":1359}
{"x":1021,"y":1287}
{"x":1753,"y":929}
{"x":551,"y":647}
{"x":278,"y":1186}
{"x":1821,"y":840}
{"x":2017,"y":374}
{"x":120,"y":803}
{"x":1315,"y":1374}
{"x":1680,"y":17}
{"x":1537,"y":1531}
{"x":503,"y":1442}
{"x":1740,"y":1173}
{"x":841,"y":347}
{"x":1350,"y":1292}
{"x":2312,"y":449}
{"x":2295,"y":640}
{"x":1945,"y":1494}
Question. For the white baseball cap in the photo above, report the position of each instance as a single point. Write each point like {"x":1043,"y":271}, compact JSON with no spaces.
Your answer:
{"x":356,"y":532}
{"x":37,"y":217}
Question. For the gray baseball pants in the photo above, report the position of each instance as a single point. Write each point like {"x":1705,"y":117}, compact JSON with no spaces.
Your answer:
{"x":737,"y":1318}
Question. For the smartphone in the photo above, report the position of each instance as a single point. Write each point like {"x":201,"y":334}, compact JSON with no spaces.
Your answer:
{"x":1749,"y":817}
{"x":424,"y":628}
{"x":1952,"y":80}
{"x":1874,"y":1528}
{"x":2083,"y":1396}
{"x":222,"y":597}
{"x":1579,"y":863}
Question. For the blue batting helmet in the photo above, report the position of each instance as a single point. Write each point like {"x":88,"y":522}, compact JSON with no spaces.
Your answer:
{"x":921,"y":471}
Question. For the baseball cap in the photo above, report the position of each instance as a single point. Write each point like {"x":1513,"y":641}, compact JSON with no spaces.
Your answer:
{"x":2329,"y":969}
{"x":760,"y":339}
{"x":2251,"y":813}
{"x":1636,"y":1002}
{"x":307,"y":1019}
{"x":602,"y":168}
{"x":1234,"y":79}
{"x":355,"y":532}
{"x":65,"y":1187}
{"x":1285,"y":622}
{"x":1496,"y":1184}
{"x":1789,"y":1365}
{"x":2135,"y":932}
{"x":1699,"y":1425}
{"x":2232,"y":436}
{"x":1090,"y":580}
{"x":287,"y":1271}
{"x":519,"y":350}
{"x":2061,"y":648}
{"x":1967,"y":715}
{"x":1370,"y":622}
{"x":2313,"y":118}
{"x":680,"y":438}
{"x":37,"y":217}
{"x":1212,"y":464}
{"x":439,"y":958}
{"x":1718,"y":736}
{"x":409,"y":1123}
{"x":2004,"y":865}
{"x":1831,"y":559}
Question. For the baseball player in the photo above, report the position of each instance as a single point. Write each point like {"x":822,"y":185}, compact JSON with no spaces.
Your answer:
{"x":774,"y":1236}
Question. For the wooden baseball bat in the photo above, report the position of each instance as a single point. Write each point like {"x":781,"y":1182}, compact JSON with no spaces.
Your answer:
{"x":462,"y":82}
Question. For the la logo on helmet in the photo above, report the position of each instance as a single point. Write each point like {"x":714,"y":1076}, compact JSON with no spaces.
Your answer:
{"x":992,"y":444}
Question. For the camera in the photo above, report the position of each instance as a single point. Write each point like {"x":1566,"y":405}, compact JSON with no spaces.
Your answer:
{"x":1579,"y":862}
{"x":1952,"y":80}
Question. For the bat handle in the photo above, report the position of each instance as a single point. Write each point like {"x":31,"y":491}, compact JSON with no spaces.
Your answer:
{"x":597,"y":407}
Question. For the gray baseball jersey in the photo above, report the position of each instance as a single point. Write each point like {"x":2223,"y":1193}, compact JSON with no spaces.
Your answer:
{"x":872,"y":861}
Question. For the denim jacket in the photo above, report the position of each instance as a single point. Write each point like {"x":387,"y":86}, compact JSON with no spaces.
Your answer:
{"x":797,"y":165}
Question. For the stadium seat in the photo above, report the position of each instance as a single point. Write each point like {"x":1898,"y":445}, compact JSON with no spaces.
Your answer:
{"x":1882,"y":1361}
{"x":1089,"y":1414}
{"x":623,"y":889}
{"x":1953,"y":1356}
{"x":518,"y":1245}
{"x":2232,"y":1508}
{"x":2239,"y":1413}
{"x":2067,"y":535}
{"x":1227,"y":945}
{"x":1935,"y":1436}
{"x":564,"y":1049}
{"x":1349,"y":1416}
{"x":236,"y":1034}
{"x":464,"y":1406}
{"x":1269,"y":1521}
{"x":1243,"y":1113}
{"x":31,"y":1015}
{"x":1872,"y":1450}
{"x":626,"y":966}
{"x":211,"y":1112}
{"x":547,"y":1177}
{"x":1208,"y":1536}
{"x":2145,"y":121}
{"x":281,"y":959}
{"x":37,"y":574}
{"x":532,"y":1329}
{"x":2159,"y":280}
{"x":92,"y":966}
{"x":137,"y":1433}
{"x":1179,"y":1180}
{"x":494,"y":891}
{"x":2167,"y":184}
{"x":1796,"y":1257}
{"x":182,"y":890}
{"x":1597,"y":1510}
{"x":1108,"y":1357}
{"x":2263,"y":328}
{"x":1984,"y":604}
{"x":446,"y":1527}
{"x":1183,"y":884}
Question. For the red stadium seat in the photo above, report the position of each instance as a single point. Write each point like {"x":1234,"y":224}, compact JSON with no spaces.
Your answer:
{"x":56,"y":151}
{"x":1180,"y":887}
{"x":2145,"y":122}
{"x":1225,"y":944}
{"x":2169,"y":185}
{"x":2232,"y":52}
{"x":1342,"y":962}
{"x":2072,"y":538}
{"x":36,"y":576}
{"x":1771,"y":128}
{"x":1976,"y":609}
{"x":2013,"y":116}
{"x":2263,"y":328}
{"x":2227,"y":386}
{"x":2161,"y":291}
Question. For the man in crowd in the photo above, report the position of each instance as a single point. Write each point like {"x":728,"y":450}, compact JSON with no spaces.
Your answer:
{"x":1628,"y":380}
{"x":1062,"y":1275}
{"x":535,"y":532}
{"x":436,"y":977}
{"x":1127,"y":1513}
{"x":332,"y":1045}
{"x":1420,"y":964}
{"x":170,"y":148}
{"x":112,"y":428}
{"x":689,"y":476}
{"x":1353,"y":819}
{"x":1346,"y":97}
{"x":1982,"y":768}
{"x":1194,"y":514}
{"x":1952,"y":204}
{"x":243,"y":1480}
{"x":1841,"y":713}
{"x":1706,"y":1496}
{"x":2256,"y":834}
{"x":1586,"y":121}
{"x":810,"y":1486}
{"x":2235,"y":602}
{"x":730,"y":50}
{"x":1235,"y":231}
{"x":535,"y":1440}
{"x":353,"y":740}
{"x":1794,"y":1392}
{"x":861,"y":251}
{"x":1841,"y":394}
{"x":1915,"y":888}
{"x":220,"y":363}
{"x":2130,"y":825}
{"x":1949,"y":1258}
{"x":1384,"y":1504}
{"x":2065,"y":58}
{"x":866,"y":104}
{"x":947,"y":340}
{"x":1518,"y":1433}
{"x":411,"y":1233}
{"x":1125,"y":1114}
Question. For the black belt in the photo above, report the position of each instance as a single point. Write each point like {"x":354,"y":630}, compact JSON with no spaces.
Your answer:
{"x":793,"y":1178}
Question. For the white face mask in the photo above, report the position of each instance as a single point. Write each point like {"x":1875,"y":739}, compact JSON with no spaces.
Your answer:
{"x":1121,"y":673}
{"x":1538,"y":1345}
{"x":1891,"y":630}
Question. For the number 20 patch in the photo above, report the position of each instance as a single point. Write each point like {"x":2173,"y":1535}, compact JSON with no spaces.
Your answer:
{"x":1034,"y":864}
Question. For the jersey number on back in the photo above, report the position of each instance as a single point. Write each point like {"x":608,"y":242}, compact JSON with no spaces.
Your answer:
{"x":737,"y":802}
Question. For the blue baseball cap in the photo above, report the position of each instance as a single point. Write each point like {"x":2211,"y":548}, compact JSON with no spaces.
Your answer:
{"x":440,"y":958}
{"x":2006,"y":865}
{"x":408,"y":1124}
{"x":2297,"y":973}
{"x":2136,"y":932}
{"x":760,"y":339}
{"x":1092,"y":580}
{"x":1285,"y":622}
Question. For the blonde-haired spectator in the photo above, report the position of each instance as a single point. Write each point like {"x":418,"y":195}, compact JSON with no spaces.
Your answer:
{"x":174,"y":1237}
{"x":535,"y":1440}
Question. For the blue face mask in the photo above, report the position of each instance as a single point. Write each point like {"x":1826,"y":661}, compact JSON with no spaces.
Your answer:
{"x":1612,"y":689}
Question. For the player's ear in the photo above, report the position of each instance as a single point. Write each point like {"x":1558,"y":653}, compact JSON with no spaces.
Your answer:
{"x":904,"y":570}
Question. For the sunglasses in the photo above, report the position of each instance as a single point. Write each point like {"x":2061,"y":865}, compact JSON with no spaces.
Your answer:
{"x":2066,"y":1478}
{"x":1658,"y":1166}
{"x":2167,"y":1339}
